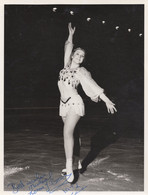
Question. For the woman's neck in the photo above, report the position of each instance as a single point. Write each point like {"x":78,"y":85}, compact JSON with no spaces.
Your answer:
{"x":74,"y":65}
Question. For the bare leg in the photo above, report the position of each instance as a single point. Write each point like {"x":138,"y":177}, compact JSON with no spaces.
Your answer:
{"x":63,"y":119}
{"x":77,"y":141}
{"x":76,"y":149}
{"x":69,"y":125}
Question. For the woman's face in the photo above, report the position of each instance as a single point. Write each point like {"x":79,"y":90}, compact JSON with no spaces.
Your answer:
{"x":78,"y":56}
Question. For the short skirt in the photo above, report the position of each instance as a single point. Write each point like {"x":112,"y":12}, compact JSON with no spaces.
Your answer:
{"x":74,"y":102}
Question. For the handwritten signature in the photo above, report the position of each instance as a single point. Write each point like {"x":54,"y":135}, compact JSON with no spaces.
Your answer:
{"x":47,"y":183}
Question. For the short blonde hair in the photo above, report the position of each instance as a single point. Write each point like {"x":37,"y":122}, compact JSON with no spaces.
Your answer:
{"x":78,"y":48}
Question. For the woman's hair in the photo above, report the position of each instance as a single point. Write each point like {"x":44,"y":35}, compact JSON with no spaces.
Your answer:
{"x":78,"y":48}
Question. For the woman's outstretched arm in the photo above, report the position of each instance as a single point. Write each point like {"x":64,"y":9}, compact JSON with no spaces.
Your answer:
{"x":109,"y":104}
{"x":69,"y":45}
{"x":93,"y":90}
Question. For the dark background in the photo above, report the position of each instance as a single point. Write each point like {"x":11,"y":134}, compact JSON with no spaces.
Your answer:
{"x":34,"y":48}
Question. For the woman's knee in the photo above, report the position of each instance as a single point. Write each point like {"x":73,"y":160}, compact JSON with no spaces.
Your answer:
{"x":68,"y":133}
{"x":70,"y":123}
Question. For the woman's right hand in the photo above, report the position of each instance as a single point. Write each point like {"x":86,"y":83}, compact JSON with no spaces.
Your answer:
{"x":71,"y":30}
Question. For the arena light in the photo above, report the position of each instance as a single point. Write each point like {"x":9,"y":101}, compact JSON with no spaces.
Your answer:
{"x":88,"y":19}
{"x":71,"y":12}
{"x":54,"y":9}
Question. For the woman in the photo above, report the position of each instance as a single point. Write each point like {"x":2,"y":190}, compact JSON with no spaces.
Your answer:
{"x":71,"y":104}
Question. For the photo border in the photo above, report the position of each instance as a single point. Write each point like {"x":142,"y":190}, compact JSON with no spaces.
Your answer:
{"x":77,"y":2}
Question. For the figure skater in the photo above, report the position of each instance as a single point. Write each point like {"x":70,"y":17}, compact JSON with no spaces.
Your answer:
{"x":71,"y":104}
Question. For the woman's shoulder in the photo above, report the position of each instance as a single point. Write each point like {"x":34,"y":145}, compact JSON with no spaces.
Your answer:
{"x":82,"y":68}
{"x":84,"y":71}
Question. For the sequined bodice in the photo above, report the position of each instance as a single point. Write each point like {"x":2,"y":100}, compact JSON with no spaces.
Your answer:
{"x":68,"y":76}
{"x":68,"y":82}
{"x":69,"y":79}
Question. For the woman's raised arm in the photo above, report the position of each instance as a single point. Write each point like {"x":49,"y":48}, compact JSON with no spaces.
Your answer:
{"x":68,"y":45}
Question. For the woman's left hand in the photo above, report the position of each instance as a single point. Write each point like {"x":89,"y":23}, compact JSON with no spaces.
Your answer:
{"x":111,"y":107}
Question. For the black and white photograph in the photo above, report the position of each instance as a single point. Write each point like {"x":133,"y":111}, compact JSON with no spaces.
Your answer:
{"x":73,"y":98}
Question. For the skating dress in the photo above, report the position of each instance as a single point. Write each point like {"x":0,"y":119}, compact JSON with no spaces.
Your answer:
{"x":68,"y":82}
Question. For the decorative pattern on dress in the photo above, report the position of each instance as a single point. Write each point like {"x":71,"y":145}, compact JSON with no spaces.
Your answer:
{"x":69,"y":77}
